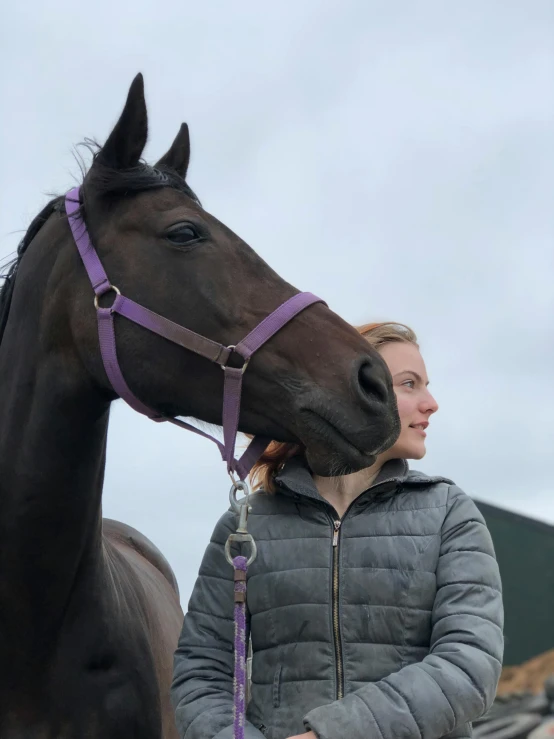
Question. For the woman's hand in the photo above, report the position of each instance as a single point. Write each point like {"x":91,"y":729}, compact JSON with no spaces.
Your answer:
{"x":308,"y":735}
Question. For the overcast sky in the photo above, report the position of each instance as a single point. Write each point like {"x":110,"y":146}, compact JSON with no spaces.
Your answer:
{"x":395,"y":158}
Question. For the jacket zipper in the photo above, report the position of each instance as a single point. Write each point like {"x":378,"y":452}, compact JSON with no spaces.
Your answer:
{"x":336,"y":624}
{"x":335,"y":607}
{"x":335,"y":588}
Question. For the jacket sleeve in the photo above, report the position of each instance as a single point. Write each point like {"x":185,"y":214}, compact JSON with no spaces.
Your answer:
{"x":456,"y":682}
{"x":202,"y":689}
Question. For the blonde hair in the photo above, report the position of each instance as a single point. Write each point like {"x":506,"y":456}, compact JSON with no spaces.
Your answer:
{"x":278,"y":452}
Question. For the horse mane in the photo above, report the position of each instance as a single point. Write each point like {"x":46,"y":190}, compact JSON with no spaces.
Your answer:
{"x":107,"y":183}
{"x":6,"y":290}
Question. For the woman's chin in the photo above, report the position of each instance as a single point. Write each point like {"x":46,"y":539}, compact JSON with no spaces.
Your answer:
{"x":418,"y":452}
{"x":411,"y":451}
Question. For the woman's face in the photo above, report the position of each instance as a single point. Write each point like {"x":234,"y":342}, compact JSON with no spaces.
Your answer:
{"x":415,"y":402}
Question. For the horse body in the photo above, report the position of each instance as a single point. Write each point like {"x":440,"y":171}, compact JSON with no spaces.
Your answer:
{"x":89,"y":609}
{"x":150,"y":575}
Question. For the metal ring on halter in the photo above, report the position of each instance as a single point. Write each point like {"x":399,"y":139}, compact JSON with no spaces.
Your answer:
{"x":231,"y":348}
{"x":111,"y":288}
{"x":241,"y":539}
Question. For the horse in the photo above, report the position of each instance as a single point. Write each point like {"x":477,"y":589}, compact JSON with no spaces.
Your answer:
{"x":89,"y":607}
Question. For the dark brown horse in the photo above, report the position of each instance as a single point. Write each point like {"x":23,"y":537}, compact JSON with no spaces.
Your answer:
{"x":89,"y":610}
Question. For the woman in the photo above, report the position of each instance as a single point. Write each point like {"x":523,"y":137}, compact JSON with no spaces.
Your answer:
{"x":374,"y":603}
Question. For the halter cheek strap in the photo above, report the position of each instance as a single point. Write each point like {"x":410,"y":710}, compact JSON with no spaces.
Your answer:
{"x":183,"y":337}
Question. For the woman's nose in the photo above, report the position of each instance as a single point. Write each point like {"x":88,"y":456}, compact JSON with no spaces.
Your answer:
{"x":429,"y":404}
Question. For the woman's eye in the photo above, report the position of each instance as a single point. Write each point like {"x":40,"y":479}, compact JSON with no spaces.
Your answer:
{"x":409,"y":383}
{"x":183,"y":235}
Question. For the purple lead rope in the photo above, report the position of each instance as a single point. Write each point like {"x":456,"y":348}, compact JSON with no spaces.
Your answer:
{"x":239,"y":705}
{"x":240,"y":566}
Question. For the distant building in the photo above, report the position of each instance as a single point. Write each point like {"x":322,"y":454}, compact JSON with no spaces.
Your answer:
{"x":525,"y":551}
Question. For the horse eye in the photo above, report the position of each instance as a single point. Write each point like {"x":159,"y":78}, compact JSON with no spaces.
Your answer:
{"x":183,"y":234}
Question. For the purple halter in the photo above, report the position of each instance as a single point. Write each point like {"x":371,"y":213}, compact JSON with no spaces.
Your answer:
{"x":184,"y":337}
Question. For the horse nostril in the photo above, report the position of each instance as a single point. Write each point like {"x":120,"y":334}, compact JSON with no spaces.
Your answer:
{"x":371,"y":381}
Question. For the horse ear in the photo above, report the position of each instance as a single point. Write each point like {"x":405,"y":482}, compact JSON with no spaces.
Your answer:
{"x":126,"y":142}
{"x":178,"y":156}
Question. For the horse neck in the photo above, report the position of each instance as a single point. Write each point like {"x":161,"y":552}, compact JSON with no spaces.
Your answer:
{"x":52,"y":454}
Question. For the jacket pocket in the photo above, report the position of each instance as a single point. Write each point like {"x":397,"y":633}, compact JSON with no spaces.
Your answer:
{"x":277,"y":687}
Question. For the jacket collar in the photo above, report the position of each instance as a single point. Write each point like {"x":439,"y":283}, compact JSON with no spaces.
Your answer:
{"x":296,"y":478}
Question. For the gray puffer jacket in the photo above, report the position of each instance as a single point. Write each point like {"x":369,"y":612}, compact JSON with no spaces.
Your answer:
{"x":387,"y":624}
